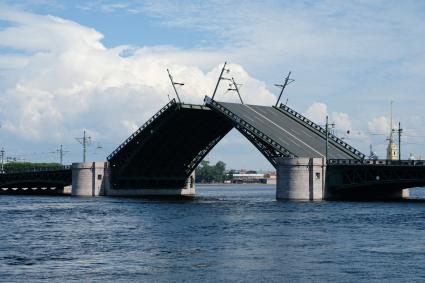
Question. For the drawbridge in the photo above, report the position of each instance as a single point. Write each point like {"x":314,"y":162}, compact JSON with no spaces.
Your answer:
{"x":165,"y":151}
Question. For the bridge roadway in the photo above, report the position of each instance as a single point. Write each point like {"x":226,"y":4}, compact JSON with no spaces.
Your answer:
{"x":297,"y":135}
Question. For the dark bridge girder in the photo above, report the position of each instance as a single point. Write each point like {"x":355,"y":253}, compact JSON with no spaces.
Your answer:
{"x":167,"y":149}
{"x":371,"y":178}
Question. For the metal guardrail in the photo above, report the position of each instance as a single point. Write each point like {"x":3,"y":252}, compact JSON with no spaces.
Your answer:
{"x":322,"y":130}
{"x":376,"y":162}
{"x":30,"y":170}
{"x":148,"y":122}
{"x":241,"y":122}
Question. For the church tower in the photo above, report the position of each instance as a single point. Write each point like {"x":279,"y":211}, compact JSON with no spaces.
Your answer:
{"x":392,"y":151}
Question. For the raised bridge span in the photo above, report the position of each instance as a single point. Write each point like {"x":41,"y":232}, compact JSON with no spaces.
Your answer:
{"x":167,"y":148}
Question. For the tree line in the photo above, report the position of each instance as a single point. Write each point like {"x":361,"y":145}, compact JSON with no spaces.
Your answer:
{"x":17,"y":166}
{"x":206,"y":173}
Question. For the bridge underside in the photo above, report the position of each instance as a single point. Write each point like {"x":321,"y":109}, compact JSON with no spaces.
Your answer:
{"x":373,"y":181}
{"x":35,"y":183}
{"x":167,"y":149}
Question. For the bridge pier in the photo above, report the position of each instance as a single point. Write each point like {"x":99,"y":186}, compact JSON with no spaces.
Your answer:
{"x":301,"y":179}
{"x":89,"y":178}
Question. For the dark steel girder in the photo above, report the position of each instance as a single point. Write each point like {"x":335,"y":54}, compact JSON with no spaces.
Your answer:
{"x":40,"y":178}
{"x":167,"y":150}
{"x":363,"y":176}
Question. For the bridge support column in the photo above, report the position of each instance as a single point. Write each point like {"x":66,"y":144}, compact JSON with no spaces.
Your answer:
{"x":301,"y":178}
{"x":89,"y":178}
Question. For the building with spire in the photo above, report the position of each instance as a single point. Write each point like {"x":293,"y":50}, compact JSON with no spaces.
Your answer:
{"x":392,"y":151}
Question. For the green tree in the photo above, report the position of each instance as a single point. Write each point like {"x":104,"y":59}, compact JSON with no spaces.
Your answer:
{"x":205,"y":173}
{"x":11,"y":166}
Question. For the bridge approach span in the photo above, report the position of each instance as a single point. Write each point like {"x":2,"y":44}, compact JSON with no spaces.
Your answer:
{"x":36,"y":182}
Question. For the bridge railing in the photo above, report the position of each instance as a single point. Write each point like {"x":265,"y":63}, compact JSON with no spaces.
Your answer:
{"x":37,"y":169}
{"x":321,"y":130}
{"x":139,"y":130}
{"x":244,"y":124}
{"x":376,"y":162}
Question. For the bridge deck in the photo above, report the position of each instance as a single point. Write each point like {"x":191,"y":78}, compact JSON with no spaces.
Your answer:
{"x":291,"y":133}
{"x":166,"y":150}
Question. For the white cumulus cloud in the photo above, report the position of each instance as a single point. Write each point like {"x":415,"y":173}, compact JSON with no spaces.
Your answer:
{"x":317,"y":112}
{"x":62,"y":79}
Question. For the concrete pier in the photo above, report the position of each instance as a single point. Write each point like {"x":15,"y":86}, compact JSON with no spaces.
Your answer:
{"x":89,"y":178}
{"x":301,"y":179}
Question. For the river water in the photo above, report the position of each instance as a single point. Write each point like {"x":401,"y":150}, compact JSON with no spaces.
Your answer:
{"x":227,"y":233}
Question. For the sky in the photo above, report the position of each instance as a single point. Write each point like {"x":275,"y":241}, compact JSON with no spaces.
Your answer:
{"x":100,"y":67}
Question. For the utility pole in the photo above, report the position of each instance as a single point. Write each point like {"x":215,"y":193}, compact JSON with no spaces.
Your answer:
{"x":61,"y":153}
{"x":400,"y":130}
{"x":2,"y":160}
{"x":174,"y":85}
{"x":84,"y":141}
{"x":219,"y":79}
{"x":287,"y":82}
{"x":235,"y":88}
{"x":327,"y":136}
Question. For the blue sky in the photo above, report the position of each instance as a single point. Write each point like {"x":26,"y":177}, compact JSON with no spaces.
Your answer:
{"x":63,"y":64}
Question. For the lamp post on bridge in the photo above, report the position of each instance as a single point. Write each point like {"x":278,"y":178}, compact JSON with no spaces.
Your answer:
{"x":84,"y":141}
{"x":219,"y":79}
{"x":287,"y":82}
{"x":327,"y":136}
{"x":400,"y":130}
{"x":174,"y":85}
{"x":233,"y":86}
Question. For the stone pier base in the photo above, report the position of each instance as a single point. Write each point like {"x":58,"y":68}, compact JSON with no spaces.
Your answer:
{"x":89,"y":178}
{"x":301,"y":179}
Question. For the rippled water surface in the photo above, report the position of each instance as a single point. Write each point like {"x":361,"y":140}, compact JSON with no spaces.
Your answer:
{"x":228,"y":233}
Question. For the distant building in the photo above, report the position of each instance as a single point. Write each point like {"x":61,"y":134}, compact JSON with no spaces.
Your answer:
{"x":250,"y":178}
{"x":392,"y":152}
